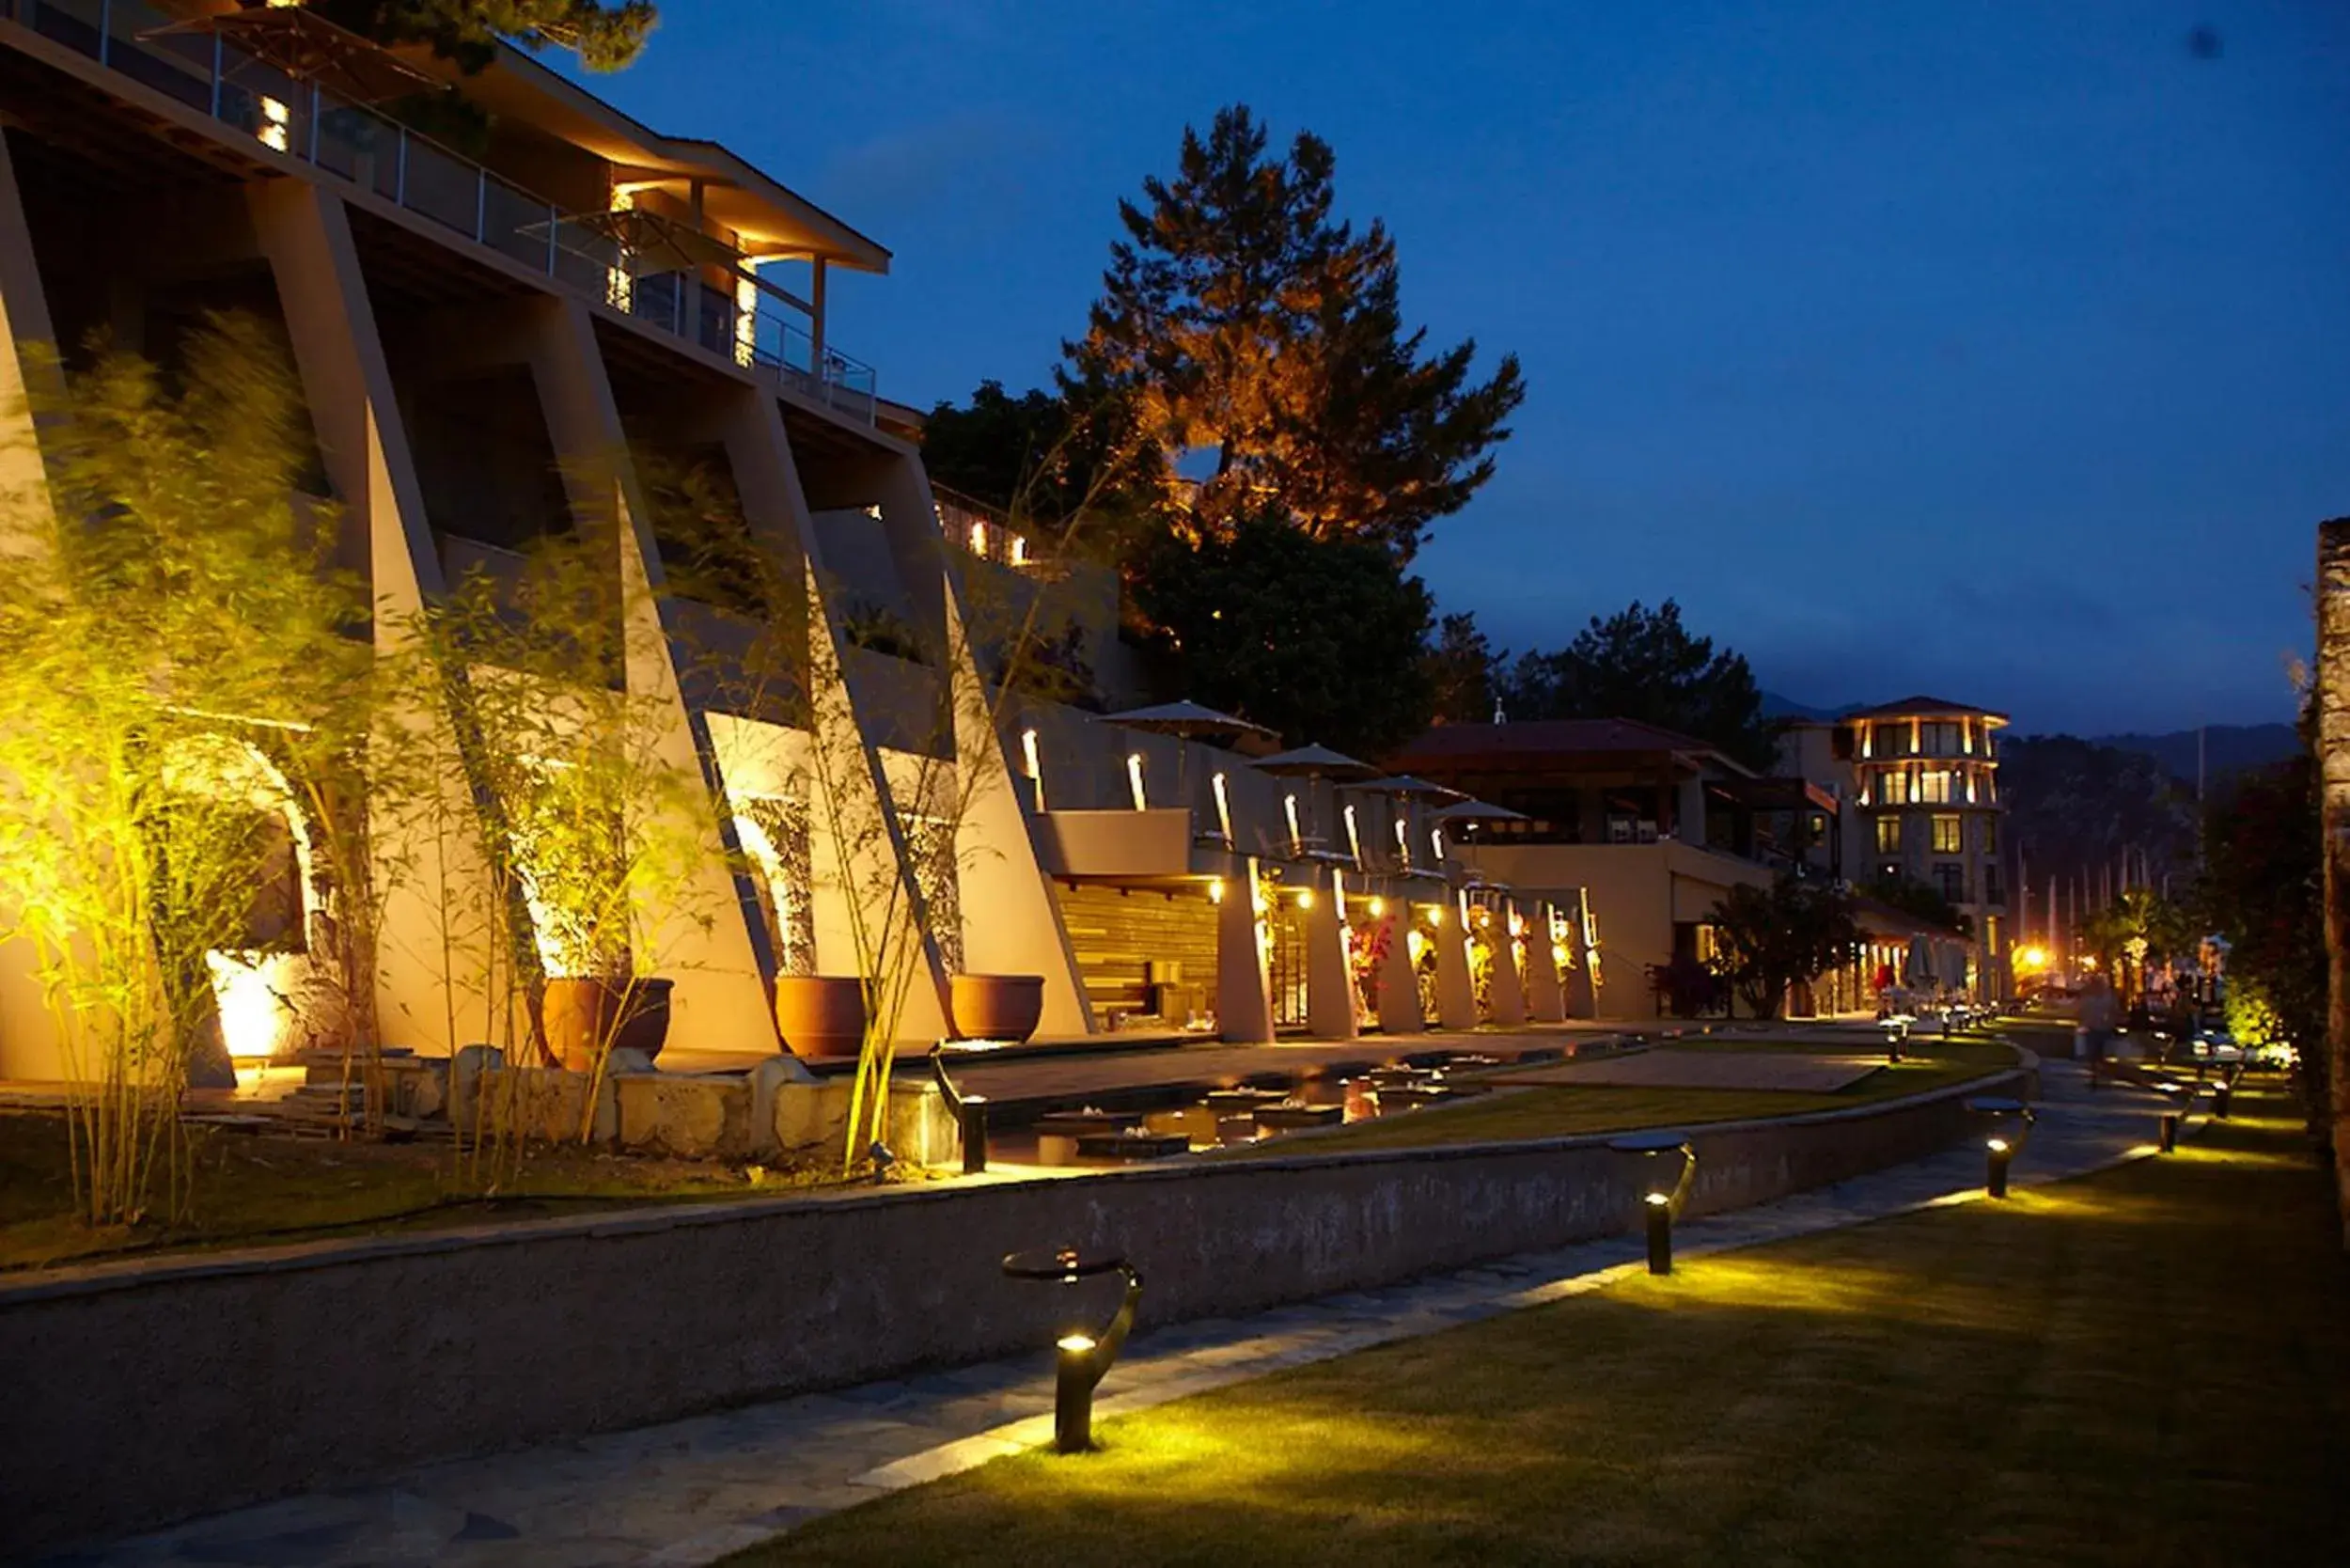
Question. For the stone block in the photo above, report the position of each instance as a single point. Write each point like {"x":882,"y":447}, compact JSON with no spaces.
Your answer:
{"x":684,"y":1117}
{"x":811,"y":1120}
{"x":545,"y":1104}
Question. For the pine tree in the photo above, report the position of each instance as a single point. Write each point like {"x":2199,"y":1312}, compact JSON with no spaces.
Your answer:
{"x":608,"y":34}
{"x":1246,"y":320}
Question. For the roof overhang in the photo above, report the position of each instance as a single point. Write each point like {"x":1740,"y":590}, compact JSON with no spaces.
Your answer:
{"x":775,"y":223}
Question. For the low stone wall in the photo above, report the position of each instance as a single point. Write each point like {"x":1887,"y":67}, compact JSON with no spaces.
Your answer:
{"x":136,"y":1395}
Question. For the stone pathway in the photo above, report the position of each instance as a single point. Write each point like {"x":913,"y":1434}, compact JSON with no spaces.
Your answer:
{"x":687,"y":1492}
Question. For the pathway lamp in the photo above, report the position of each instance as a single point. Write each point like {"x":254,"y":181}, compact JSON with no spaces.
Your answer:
{"x":1084,"y":1357}
{"x":2011,"y":1124}
{"x":969,"y":1111}
{"x":1669,"y":1164}
{"x":1896,"y":1026}
{"x":2223,"y":1092}
{"x":2176,"y":1099}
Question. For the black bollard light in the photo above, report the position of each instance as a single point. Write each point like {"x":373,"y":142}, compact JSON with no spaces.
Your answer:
{"x":1663,"y":1193}
{"x":1084,"y":1358}
{"x":2011,"y":1124}
{"x":2170,"y":1132}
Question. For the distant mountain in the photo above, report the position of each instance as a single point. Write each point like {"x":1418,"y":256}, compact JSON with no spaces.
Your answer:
{"x":1775,"y":706}
{"x":2228,"y":748}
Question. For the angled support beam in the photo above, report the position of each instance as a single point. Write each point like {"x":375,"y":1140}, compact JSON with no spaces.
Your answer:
{"x":721,"y":1000}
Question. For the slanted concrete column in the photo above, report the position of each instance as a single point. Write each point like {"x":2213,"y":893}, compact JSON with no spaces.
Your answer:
{"x":1011,"y":922}
{"x":1399,"y":978}
{"x":437,"y":919}
{"x":1545,"y":995}
{"x":29,"y":1047}
{"x":1582,"y":987}
{"x":721,"y":998}
{"x":1243,"y":987}
{"x":1329,"y":973}
{"x":1508,"y":986}
{"x":1456,"y":990}
{"x":2333,"y":760}
{"x":872,"y":868}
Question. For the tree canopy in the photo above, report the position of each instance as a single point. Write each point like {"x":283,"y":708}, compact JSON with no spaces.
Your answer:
{"x":1462,"y":665}
{"x":608,"y":34}
{"x":1318,"y":639}
{"x":1250,"y":323}
{"x":1643,"y":664}
{"x":1787,"y":934}
{"x":2263,"y":890}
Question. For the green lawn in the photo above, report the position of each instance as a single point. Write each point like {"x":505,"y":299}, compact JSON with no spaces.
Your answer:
{"x":1509,"y":1114}
{"x":2149,"y":1366}
{"x":249,"y":1190}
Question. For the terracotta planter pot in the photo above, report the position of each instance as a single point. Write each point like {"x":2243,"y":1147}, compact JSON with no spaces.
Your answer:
{"x":996,"y":1006}
{"x":576,"y":1016}
{"x":821,"y":1017}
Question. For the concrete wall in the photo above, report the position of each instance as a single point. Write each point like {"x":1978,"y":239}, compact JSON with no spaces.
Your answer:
{"x":1636,"y":892}
{"x":138,"y":1395}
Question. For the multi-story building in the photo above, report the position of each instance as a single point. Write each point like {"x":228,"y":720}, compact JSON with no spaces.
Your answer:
{"x":1921,"y":776}
{"x":494,"y":345}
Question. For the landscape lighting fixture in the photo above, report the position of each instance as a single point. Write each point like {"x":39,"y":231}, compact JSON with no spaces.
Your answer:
{"x":1665,"y":1187}
{"x":2010,"y":1126}
{"x":1082,"y":1359}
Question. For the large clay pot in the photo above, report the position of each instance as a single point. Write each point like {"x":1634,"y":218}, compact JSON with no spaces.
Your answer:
{"x":996,"y":1006}
{"x":821,"y":1017}
{"x":577,"y":1016}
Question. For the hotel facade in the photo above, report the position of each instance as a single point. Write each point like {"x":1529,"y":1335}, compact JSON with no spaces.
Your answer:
{"x":576,"y":295}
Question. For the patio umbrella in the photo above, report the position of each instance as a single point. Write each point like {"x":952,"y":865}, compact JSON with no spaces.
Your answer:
{"x":1917,"y":968}
{"x":1405,"y":787}
{"x":1479,"y":812}
{"x":1191,"y":720}
{"x":1313,"y":763}
{"x":1186,"y":721}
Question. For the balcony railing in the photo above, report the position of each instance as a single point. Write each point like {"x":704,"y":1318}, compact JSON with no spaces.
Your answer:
{"x":758,"y":326}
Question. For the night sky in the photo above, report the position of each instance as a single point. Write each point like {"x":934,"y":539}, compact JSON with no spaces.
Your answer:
{"x":2000,"y":351}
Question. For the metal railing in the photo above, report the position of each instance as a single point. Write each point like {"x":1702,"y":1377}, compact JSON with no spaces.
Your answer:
{"x":756,"y":325}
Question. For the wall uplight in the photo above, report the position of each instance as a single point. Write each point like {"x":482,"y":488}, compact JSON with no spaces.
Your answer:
{"x":1305,"y":898}
{"x":1134,"y":779}
{"x":979,"y":539}
{"x":1036,"y":765}
{"x":1019,"y":549}
{"x":1223,"y":807}
{"x":1436,"y":837}
{"x":1353,"y":839}
{"x":1298,"y":840}
{"x":1378,"y":909}
{"x":1404,"y":843}
{"x":1215,"y":889}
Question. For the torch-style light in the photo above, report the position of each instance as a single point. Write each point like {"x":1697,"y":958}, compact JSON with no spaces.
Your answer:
{"x":1083,"y":1357}
{"x":1666,"y":1187}
{"x":2011,"y":1124}
{"x":969,"y":1110}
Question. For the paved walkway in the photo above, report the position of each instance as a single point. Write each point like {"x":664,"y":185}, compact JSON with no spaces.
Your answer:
{"x":690,"y":1491}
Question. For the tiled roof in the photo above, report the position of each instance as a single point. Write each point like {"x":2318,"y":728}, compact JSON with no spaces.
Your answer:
{"x":1927,"y":707}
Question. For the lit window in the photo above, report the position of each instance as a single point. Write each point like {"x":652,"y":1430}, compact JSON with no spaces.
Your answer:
{"x":1950,"y":835}
{"x":1889,"y":835}
{"x":1934,"y":787}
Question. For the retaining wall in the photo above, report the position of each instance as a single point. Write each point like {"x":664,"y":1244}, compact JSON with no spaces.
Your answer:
{"x":132,"y":1395}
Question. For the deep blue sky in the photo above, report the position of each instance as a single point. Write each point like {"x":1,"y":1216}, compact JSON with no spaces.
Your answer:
{"x":1993,"y":350}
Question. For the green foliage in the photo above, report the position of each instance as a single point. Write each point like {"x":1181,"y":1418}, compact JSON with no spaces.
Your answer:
{"x":1463,"y":669}
{"x":2073,"y":807}
{"x":182,"y":669}
{"x":605,"y":35}
{"x":1241,"y":319}
{"x":1317,"y":638}
{"x":2263,"y":890}
{"x":1643,"y":664}
{"x":1044,"y":460}
{"x":1920,"y":899}
{"x":1772,"y":938}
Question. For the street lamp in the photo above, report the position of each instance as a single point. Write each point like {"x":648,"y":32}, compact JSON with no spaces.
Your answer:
{"x":1084,"y":1358}
{"x":2011,"y":1125}
{"x":1662,"y":1193}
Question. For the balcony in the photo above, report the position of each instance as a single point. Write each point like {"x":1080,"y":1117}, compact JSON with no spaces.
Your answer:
{"x":602,"y":255}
